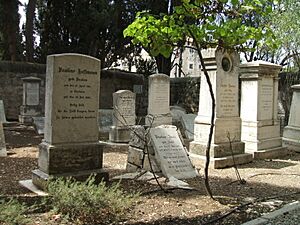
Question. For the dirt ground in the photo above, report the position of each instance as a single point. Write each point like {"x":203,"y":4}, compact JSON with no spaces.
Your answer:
{"x":269,"y":184}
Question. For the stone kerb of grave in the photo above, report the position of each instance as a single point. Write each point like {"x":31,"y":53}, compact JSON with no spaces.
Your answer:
{"x":291,"y":133}
{"x":159,"y":101}
{"x":2,"y":142}
{"x":170,"y":154}
{"x":70,"y":146}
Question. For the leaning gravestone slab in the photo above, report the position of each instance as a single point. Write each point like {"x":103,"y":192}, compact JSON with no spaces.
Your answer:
{"x":170,"y":153}
{"x":187,"y":122}
{"x":2,"y":142}
{"x":2,"y":112}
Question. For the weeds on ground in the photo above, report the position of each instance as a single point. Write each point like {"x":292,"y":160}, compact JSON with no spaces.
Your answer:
{"x":89,"y":203}
{"x":12,"y":212}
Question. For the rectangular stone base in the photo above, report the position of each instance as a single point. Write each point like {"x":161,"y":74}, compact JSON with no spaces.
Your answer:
{"x":40,"y":179}
{"x":222,"y":162}
{"x":269,"y":153}
{"x":291,"y":144}
{"x":119,"y":134}
{"x":217,"y":150}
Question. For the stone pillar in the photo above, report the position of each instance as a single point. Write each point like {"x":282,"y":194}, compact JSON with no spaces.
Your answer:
{"x":291,"y":133}
{"x":123,"y":116}
{"x":70,"y":147}
{"x":2,"y":142}
{"x":31,"y":99}
{"x":223,"y":69}
{"x":259,"y":105}
{"x":159,"y":101}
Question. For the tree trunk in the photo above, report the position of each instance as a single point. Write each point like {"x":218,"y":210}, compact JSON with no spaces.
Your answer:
{"x":30,"y":15}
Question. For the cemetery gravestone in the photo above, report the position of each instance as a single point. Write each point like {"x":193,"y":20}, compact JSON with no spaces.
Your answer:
{"x":291,"y":133}
{"x":2,"y":112}
{"x":31,"y":99}
{"x":159,"y":101}
{"x":105,"y":122}
{"x":223,"y":70}
{"x":123,"y":115}
{"x":70,"y":146}
{"x":170,"y":153}
{"x":2,"y":142}
{"x":39,"y":124}
{"x":187,"y":122}
{"x":259,"y":109}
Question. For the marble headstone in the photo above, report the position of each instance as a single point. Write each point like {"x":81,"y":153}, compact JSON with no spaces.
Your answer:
{"x":70,"y":146}
{"x":159,"y":101}
{"x":172,"y":157}
{"x":187,"y":122}
{"x":291,"y":133}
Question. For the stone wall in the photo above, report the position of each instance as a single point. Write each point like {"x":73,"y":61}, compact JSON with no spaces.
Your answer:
{"x":11,"y":85}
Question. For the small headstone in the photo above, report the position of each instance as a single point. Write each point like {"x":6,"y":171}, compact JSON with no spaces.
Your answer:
{"x":123,"y":116}
{"x":31,"y":99}
{"x":2,"y":112}
{"x":2,"y":142}
{"x":170,"y":153}
{"x":177,"y":112}
{"x":187,"y":122}
{"x":159,"y":101}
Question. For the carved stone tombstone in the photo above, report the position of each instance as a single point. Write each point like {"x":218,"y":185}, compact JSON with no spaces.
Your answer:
{"x":223,"y":69}
{"x":291,"y":133}
{"x":31,"y":99}
{"x":2,"y":142}
{"x":123,"y":116}
{"x":70,"y":146}
{"x":159,"y":101}
{"x":259,"y":104}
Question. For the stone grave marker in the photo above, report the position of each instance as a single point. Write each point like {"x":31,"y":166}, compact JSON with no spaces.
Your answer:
{"x":187,"y":122}
{"x":259,"y":109}
{"x":169,"y":152}
{"x":70,"y":146}
{"x":2,"y":142}
{"x":105,"y":122}
{"x":2,"y":112}
{"x":159,"y":101}
{"x":31,"y":99}
{"x":39,"y":124}
{"x":291,"y":133}
{"x":223,"y":70}
{"x":123,"y":115}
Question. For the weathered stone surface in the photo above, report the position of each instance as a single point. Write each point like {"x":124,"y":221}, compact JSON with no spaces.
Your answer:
{"x":105,"y":119}
{"x":159,"y":101}
{"x":137,"y":137}
{"x":119,"y":134}
{"x":170,"y":153}
{"x":291,"y":133}
{"x":135,"y":156}
{"x":72,"y":99}
{"x":124,"y":108}
{"x":2,"y":142}
{"x":2,"y":112}
{"x":259,"y":109}
{"x":187,"y":122}
{"x":39,"y":124}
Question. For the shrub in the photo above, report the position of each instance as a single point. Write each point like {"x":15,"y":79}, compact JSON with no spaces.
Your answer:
{"x":12,"y":212}
{"x":89,"y":203}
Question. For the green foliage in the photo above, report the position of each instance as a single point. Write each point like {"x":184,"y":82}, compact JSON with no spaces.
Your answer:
{"x":88,"y":203}
{"x":221,"y":23}
{"x":12,"y":212}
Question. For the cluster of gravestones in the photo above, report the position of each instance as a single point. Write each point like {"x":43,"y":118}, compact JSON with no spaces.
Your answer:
{"x":243,"y":130}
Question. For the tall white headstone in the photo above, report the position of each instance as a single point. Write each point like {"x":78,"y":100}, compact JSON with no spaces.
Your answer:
{"x":159,"y":101}
{"x":2,"y":142}
{"x":70,"y":146}
{"x":259,"y":104}
{"x":123,"y":115}
{"x":291,"y":133}
{"x":223,"y":69}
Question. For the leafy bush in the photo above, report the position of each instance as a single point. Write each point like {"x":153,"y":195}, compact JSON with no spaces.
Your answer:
{"x":88,"y":203}
{"x":12,"y":212}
